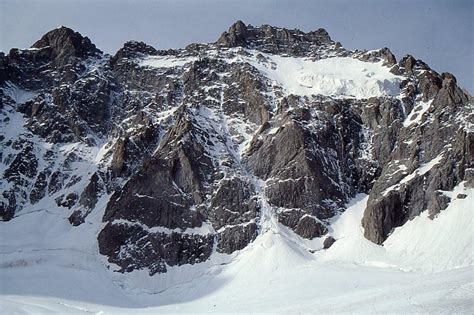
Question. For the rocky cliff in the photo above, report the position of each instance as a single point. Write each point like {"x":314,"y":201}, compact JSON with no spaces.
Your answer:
{"x":187,"y":152}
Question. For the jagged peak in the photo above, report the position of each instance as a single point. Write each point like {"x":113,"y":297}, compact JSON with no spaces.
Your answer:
{"x":273,"y":39}
{"x":238,"y":26}
{"x":133,"y":48}
{"x":65,"y":42}
{"x":383,"y":54}
{"x":410,"y":63}
{"x":447,"y":77}
{"x":138,"y":46}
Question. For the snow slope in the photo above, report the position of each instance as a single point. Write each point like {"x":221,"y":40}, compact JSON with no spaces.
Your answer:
{"x":339,"y":77}
{"x":422,"y":244}
{"x":425,"y":266}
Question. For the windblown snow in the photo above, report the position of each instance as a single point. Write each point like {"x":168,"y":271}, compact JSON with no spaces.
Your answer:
{"x":425,"y":266}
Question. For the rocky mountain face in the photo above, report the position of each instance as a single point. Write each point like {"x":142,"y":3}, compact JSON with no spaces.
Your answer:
{"x":187,"y":152}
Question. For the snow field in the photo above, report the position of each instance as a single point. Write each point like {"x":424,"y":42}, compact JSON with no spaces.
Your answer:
{"x":424,"y":266}
{"x":339,"y":77}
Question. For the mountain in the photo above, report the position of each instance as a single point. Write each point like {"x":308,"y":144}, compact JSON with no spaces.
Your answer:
{"x":178,"y":156}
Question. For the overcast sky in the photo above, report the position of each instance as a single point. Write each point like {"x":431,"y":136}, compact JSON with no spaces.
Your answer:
{"x":440,"y":32}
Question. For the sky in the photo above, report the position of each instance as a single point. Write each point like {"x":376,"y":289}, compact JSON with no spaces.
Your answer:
{"x":440,"y":32}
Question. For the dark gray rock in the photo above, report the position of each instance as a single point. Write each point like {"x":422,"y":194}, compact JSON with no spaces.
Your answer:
{"x":40,"y":186}
{"x":63,"y":43}
{"x":234,"y":202}
{"x":132,"y":49}
{"x":91,"y":193}
{"x":236,"y":237}
{"x":328,"y":242}
{"x":160,"y":194}
{"x":309,"y":227}
{"x":130,"y":151}
{"x":25,"y":164}
{"x":131,"y":247}
{"x":77,"y":218}
{"x":56,"y":182}
{"x":394,"y":199}
{"x":18,"y":177}
{"x":164,"y":190}
{"x":236,"y":36}
{"x":437,"y":202}
{"x":245,"y":96}
{"x":273,"y":39}
{"x":291,"y":155}
{"x":383,"y":54}
{"x":9,"y":206}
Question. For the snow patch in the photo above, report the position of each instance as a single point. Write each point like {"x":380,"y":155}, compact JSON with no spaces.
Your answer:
{"x":422,"y":170}
{"x":17,"y":94}
{"x":337,"y":76}
{"x":165,"y":61}
{"x":417,"y":113}
{"x":204,"y":229}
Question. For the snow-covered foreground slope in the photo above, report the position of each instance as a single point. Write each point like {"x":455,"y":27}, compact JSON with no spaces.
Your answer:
{"x":48,"y":266}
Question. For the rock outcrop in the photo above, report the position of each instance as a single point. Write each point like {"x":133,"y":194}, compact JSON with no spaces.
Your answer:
{"x":63,"y":44}
{"x":271,"y":39}
{"x":430,"y":155}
